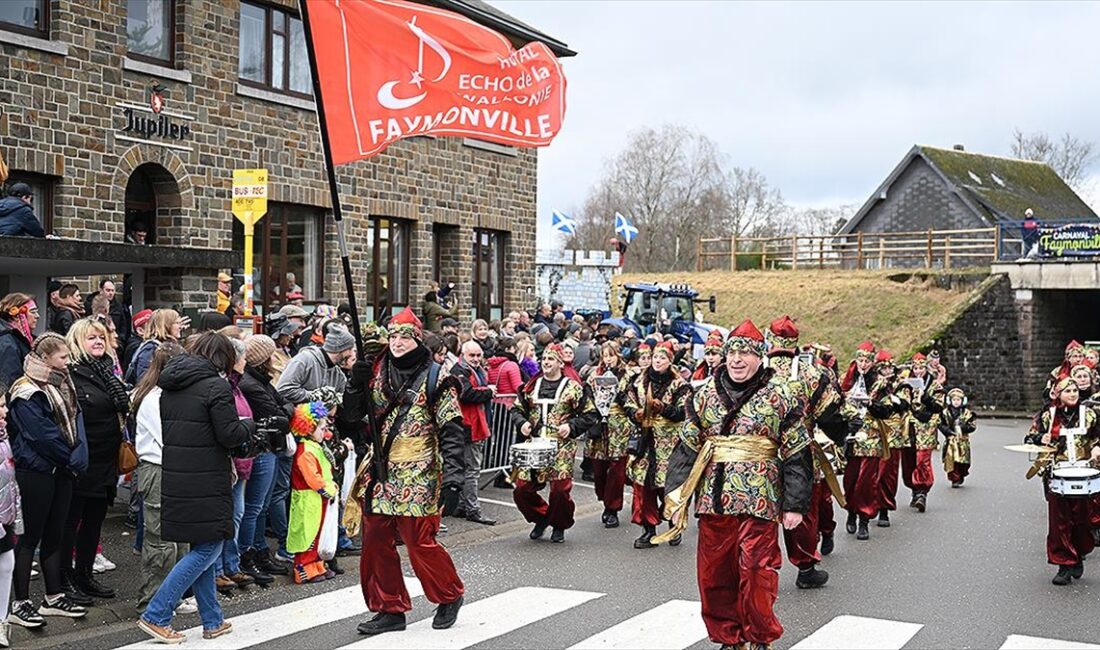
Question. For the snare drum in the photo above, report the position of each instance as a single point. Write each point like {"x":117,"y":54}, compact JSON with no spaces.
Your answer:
{"x":1075,"y":480}
{"x":535,"y":454}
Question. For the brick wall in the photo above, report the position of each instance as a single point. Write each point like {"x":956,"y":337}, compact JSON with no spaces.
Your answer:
{"x":59,"y":118}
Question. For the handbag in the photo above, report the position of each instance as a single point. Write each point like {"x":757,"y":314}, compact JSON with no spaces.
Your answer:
{"x":127,"y":457}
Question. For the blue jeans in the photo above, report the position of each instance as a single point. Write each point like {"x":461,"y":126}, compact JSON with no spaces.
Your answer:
{"x":257,"y":491}
{"x":280,"y":496}
{"x":229,"y":562}
{"x":196,"y":569}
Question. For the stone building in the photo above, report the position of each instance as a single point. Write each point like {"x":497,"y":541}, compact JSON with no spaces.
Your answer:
{"x":953,"y":189}
{"x":125,"y":114}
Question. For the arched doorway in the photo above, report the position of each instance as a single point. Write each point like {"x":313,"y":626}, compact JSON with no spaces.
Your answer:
{"x":152,"y":199}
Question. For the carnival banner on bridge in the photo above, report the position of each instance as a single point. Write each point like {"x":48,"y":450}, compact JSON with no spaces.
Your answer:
{"x":390,"y":70}
{"x":1072,"y":240}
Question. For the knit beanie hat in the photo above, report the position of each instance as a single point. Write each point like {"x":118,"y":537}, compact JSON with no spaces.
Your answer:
{"x":338,"y":339}
{"x":258,"y":349}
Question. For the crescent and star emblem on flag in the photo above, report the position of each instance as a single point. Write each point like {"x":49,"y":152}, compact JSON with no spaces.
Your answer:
{"x":386,"y":96}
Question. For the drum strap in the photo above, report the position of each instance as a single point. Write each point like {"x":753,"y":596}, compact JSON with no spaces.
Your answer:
{"x":546,"y":404}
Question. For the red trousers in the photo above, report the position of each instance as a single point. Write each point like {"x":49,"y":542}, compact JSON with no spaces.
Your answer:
{"x":646,"y":506}
{"x":801,"y":542}
{"x":1095,"y":509}
{"x":558,"y":513}
{"x":888,"y":480}
{"x":961,"y":471}
{"x":610,"y":479}
{"x":921,"y":475}
{"x":908,"y":465}
{"x":826,"y":523}
{"x":1069,"y":531}
{"x":738,"y":564}
{"x":380,"y":566}
{"x":861,"y":485}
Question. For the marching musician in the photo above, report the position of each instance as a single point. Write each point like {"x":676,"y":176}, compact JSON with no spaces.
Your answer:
{"x":956,"y":423}
{"x":916,"y":462}
{"x":822,"y":406}
{"x":748,"y":469}
{"x":414,"y":460}
{"x":1074,"y":356}
{"x":1069,"y":539}
{"x":606,"y":442}
{"x":868,"y":447}
{"x":889,"y":389}
{"x":555,"y":407}
{"x":655,"y":402}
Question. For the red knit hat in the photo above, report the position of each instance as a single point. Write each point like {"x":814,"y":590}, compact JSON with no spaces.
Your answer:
{"x":714,"y":342}
{"x":883,"y":356}
{"x":784,"y":334}
{"x":665,"y":348}
{"x":746,"y":338}
{"x":407,"y":323}
{"x":919,"y":360}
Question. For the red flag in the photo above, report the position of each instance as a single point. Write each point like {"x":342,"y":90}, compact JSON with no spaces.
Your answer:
{"x":391,"y":70}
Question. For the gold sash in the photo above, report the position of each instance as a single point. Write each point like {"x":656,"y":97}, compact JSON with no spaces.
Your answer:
{"x":412,"y":450}
{"x":830,"y":474}
{"x":719,"y":449}
{"x":404,"y":450}
{"x":951,"y":453}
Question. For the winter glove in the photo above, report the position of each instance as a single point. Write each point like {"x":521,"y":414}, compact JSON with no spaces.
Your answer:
{"x":450,"y":499}
{"x":361,"y":373}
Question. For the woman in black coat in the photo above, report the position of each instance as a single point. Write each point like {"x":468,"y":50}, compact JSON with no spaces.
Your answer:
{"x":104,"y":405}
{"x":200,"y":427}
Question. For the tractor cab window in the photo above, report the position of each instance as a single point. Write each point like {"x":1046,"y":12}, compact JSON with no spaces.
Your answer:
{"x":677,"y":308}
{"x":641,"y":307}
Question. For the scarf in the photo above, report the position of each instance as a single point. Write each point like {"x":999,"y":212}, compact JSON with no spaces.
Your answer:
{"x":658,"y":382}
{"x":59,"y":390}
{"x":734,"y":394}
{"x":403,"y":369}
{"x":103,"y":369}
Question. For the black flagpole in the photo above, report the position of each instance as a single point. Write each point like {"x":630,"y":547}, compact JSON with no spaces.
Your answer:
{"x":334,"y":189}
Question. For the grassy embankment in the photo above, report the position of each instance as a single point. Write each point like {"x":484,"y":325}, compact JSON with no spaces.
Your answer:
{"x":841,"y":308}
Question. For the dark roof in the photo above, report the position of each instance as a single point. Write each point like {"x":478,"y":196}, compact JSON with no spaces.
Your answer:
{"x":488,"y":15}
{"x":994,"y":187}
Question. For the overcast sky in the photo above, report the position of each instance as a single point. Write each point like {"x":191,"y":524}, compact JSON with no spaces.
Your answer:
{"x":823,"y":98}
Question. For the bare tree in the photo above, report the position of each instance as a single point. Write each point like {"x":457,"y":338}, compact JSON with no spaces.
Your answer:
{"x":821,"y":221}
{"x":1071,"y":156}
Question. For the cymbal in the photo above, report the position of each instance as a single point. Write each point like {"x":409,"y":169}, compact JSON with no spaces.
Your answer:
{"x":1031,"y":449}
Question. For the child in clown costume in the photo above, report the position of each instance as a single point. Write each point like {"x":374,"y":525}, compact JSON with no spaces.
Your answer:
{"x":312,"y":491}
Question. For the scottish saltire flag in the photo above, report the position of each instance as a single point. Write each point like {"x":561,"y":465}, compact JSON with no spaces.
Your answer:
{"x":563,"y":223}
{"x":624,"y":228}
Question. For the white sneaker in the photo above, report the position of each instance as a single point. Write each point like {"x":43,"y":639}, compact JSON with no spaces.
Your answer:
{"x":5,"y":635}
{"x":188,"y":606}
{"x":102,"y":564}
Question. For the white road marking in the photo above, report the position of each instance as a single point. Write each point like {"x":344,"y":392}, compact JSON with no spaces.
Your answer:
{"x":497,"y":503}
{"x":1018,"y":642}
{"x":269,"y":624}
{"x":484,"y":619}
{"x":859,"y":633}
{"x":673,"y":625}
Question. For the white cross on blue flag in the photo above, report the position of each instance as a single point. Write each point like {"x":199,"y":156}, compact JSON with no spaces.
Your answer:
{"x":563,"y":223}
{"x":624,"y":228}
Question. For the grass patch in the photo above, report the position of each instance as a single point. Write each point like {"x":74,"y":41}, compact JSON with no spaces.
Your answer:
{"x":841,"y":308}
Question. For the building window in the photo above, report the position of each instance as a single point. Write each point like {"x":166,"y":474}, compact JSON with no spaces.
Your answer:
{"x":150,"y":30}
{"x":273,"y":50}
{"x":388,"y":267}
{"x":288,"y":251}
{"x":26,"y":16}
{"x":43,"y":188}
{"x":489,"y":274}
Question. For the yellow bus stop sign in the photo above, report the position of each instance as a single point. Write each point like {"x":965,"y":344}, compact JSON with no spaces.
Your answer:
{"x":249,"y":206}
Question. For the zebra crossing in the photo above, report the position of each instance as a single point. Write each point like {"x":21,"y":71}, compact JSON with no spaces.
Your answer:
{"x":672,"y":625}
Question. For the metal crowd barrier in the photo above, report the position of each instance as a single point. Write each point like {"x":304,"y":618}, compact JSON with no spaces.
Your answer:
{"x":503,"y":436}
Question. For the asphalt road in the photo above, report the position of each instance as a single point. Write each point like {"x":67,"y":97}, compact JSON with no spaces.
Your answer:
{"x":969,"y":573}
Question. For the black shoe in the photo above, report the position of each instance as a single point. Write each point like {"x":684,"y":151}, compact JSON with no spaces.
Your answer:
{"x":261,"y":559}
{"x":611,"y":519}
{"x":349,"y":551}
{"x":826,"y":544}
{"x":334,"y":566}
{"x":862,"y":533}
{"x":539,"y":530}
{"x":587,"y":476}
{"x":26,"y":615}
{"x":956,"y":484}
{"x":811,"y":578}
{"x":77,"y":596}
{"x":675,"y":541}
{"x":1096,"y":536}
{"x":250,"y":568}
{"x":482,"y":519}
{"x":851,"y":525}
{"x":382,"y":623}
{"x":913,"y":501}
{"x":94,"y":588}
{"x":63,"y":607}
{"x":922,"y":502}
{"x":883,"y":518}
{"x":1063,"y":577}
{"x":1077,"y":570}
{"x":645,"y":540}
{"x":557,"y":536}
{"x":446,"y":615}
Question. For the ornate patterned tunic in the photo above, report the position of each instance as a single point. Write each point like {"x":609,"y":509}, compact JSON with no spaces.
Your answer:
{"x":662,"y":430}
{"x":616,"y":429}
{"x":956,"y":424}
{"x":571,"y":406}
{"x":746,"y":487}
{"x":875,"y":436}
{"x":818,"y":395}
{"x":414,"y":464}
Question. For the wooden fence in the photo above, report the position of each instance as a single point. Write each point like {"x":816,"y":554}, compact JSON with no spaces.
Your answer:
{"x":942,"y":249}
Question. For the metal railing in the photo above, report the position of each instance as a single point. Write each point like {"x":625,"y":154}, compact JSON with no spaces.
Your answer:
{"x":502,"y":436}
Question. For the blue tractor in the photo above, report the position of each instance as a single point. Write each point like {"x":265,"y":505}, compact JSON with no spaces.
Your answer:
{"x":665,"y":309}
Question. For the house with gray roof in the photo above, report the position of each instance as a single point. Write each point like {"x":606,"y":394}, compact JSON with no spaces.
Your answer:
{"x":954,"y":189}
